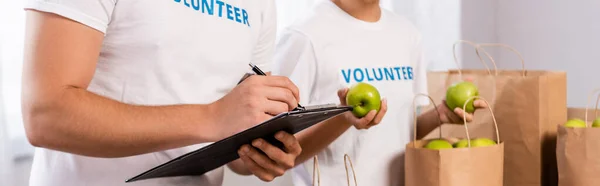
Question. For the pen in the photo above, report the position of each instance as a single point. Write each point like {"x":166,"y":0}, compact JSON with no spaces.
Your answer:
{"x":260,"y":72}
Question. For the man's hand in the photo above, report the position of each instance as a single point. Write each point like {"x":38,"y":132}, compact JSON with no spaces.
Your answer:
{"x":256,"y":99}
{"x":274,"y":161}
{"x":456,"y":116}
{"x":371,"y":119}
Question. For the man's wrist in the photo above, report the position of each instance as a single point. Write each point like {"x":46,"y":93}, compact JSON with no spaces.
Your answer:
{"x":203,"y":124}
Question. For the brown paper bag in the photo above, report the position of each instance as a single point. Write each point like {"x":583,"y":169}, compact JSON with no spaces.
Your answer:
{"x":578,"y":151}
{"x":317,"y":172}
{"x":439,"y":81}
{"x":478,"y":166}
{"x":528,"y":106}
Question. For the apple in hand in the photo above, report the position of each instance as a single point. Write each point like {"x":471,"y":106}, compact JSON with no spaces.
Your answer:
{"x":363,"y":97}
{"x":575,"y":123}
{"x":438,"y":144}
{"x":596,"y":122}
{"x":458,"y":94}
{"x":482,"y":142}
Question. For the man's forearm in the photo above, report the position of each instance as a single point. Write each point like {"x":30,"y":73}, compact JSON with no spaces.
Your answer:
{"x":427,"y":122}
{"x":313,"y":140}
{"x":80,"y":122}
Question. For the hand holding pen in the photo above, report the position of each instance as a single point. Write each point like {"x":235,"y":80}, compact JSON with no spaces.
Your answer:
{"x":253,"y":101}
{"x":258,"y":71}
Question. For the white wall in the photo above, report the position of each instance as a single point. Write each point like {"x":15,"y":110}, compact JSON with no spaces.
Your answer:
{"x":554,"y":35}
{"x":551,"y":35}
{"x":478,"y":24}
{"x":439,"y":23}
{"x":4,"y":154}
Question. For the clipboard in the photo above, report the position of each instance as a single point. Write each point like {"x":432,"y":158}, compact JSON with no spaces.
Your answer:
{"x":224,"y":151}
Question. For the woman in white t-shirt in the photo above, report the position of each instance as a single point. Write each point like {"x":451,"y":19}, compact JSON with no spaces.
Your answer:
{"x":340,"y":43}
{"x":112,"y":88}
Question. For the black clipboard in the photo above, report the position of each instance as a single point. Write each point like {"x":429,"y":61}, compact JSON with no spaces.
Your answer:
{"x":224,"y":151}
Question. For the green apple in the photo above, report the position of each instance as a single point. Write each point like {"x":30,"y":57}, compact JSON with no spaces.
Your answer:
{"x":464,"y":143}
{"x":482,"y":142}
{"x":364,"y":98}
{"x":596,"y":122}
{"x":575,"y":123}
{"x":438,"y":144}
{"x":458,"y":94}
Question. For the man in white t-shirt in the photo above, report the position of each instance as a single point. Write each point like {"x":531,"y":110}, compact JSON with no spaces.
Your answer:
{"x":340,"y":43}
{"x":112,"y":88}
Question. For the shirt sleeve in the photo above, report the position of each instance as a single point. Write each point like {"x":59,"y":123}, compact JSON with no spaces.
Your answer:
{"x":420,"y":73}
{"x":93,"y":13}
{"x":262,"y":55}
{"x":295,"y":58}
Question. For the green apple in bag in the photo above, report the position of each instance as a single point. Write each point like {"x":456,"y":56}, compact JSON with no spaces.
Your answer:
{"x":596,"y":122}
{"x":437,"y":144}
{"x":482,"y":142}
{"x":464,"y":143}
{"x":575,"y":123}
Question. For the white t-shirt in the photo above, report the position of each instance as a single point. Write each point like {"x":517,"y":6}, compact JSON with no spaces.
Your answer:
{"x":160,"y":52}
{"x":329,"y":50}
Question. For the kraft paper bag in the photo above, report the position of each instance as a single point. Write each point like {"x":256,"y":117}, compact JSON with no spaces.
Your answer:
{"x":317,"y":172}
{"x":476,"y":166}
{"x":528,"y":106}
{"x":578,"y":151}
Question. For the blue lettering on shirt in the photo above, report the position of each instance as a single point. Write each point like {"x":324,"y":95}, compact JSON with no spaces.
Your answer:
{"x":236,"y":10}
{"x":397,"y":72}
{"x":209,"y":7}
{"x":356,"y":77}
{"x":229,"y":12}
{"x":380,"y":74}
{"x":196,"y":4}
{"x":346,"y":74}
{"x":220,"y":3}
{"x":389,"y":74}
{"x":377,"y":74}
{"x":245,"y":15}
{"x":234,"y":13}
{"x":369,"y":78}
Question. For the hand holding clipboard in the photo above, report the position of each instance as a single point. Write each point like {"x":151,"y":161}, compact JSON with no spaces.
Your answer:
{"x":224,"y":151}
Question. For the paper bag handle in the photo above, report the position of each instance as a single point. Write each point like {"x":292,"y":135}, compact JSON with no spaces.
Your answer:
{"x":478,"y":55}
{"x":414,"y":106}
{"x":482,"y":45}
{"x":477,"y":48}
{"x":595,"y":108}
{"x":347,"y":158}
{"x":491,"y":112}
{"x":316,"y":171}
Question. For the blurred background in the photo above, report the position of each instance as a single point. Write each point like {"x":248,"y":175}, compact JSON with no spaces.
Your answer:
{"x":551,"y":35}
